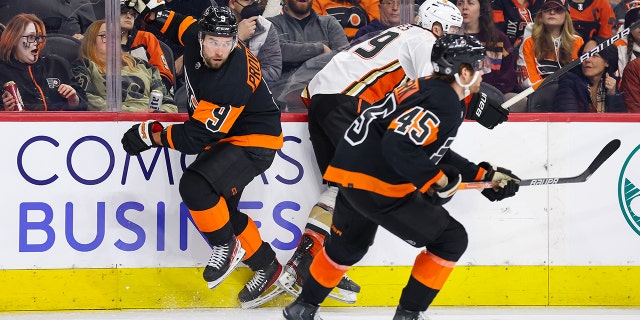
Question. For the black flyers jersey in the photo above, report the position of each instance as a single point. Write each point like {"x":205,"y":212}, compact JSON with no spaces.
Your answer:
{"x":512,"y":17}
{"x":231,"y":104}
{"x":393,"y":147}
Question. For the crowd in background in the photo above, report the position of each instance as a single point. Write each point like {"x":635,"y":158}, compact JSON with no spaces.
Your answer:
{"x":55,"y":50}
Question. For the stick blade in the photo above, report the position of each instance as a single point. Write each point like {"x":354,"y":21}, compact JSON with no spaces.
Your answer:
{"x":606,"y":152}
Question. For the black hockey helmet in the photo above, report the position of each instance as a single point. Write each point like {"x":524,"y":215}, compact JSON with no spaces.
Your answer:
{"x":218,"y":21}
{"x":452,"y":50}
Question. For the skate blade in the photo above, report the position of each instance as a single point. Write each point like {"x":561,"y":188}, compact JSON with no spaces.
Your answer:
{"x":342,"y":295}
{"x":237,"y":257}
{"x":265,"y":297}
{"x":287,"y":282}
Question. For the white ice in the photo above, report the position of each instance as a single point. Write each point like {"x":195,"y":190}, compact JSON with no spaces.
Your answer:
{"x":346,"y":313}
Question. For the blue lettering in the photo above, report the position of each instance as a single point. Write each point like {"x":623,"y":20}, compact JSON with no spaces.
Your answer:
{"x":295,"y":163}
{"x":44,"y":225}
{"x":68,"y":229}
{"x":21,"y":159}
{"x":145,"y":172}
{"x":286,"y":225}
{"x":111,"y":160}
{"x":161,"y":226}
{"x":130,"y":225}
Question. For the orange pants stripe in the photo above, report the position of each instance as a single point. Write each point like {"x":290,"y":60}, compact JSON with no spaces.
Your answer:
{"x":211,"y":219}
{"x":431,"y":270}
{"x":250,"y":239}
{"x":326,"y":271}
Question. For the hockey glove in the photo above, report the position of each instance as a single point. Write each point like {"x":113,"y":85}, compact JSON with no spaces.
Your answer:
{"x":508,"y":182}
{"x":144,"y":7}
{"x":139,"y":138}
{"x":486,"y":111}
{"x":442,"y":195}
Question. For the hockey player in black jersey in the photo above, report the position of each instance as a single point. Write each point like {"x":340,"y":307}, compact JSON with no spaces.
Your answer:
{"x":395,"y":169}
{"x":234,"y":127}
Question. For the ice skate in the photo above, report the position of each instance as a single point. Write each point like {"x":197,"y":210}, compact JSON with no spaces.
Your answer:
{"x":299,"y":310}
{"x":403,"y":314}
{"x":261,"y":288}
{"x":297,"y":270}
{"x":224,"y":259}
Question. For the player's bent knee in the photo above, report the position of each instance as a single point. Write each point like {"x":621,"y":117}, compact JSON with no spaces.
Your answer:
{"x":452,"y":243}
{"x":195,"y":190}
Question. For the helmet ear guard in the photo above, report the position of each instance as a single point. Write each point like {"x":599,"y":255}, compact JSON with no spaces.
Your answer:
{"x":441,"y":11}
{"x":451,"y":51}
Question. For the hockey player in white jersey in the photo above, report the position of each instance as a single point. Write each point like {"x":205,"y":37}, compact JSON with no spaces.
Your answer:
{"x":352,"y":81}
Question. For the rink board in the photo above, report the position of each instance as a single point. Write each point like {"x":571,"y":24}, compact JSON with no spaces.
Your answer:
{"x":86,"y":227}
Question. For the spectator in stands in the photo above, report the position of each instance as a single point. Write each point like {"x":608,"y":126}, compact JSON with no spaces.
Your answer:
{"x":553,"y":43}
{"x":592,"y":19}
{"x":71,"y":17}
{"x":259,"y":35}
{"x":389,"y":17}
{"x":593,"y":87}
{"x":305,"y":37}
{"x":139,"y":78}
{"x":512,"y":17}
{"x":629,"y":46}
{"x":144,"y":45}
{"x":478,"y":22}
{"x":630,"y":86}
{"x":192,"y":8}
{"x":45,"y":82}
{"x":352,"y":14}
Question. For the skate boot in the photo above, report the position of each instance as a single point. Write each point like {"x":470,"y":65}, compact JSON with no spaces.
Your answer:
{"x":224,"y":259}
{"x":297,"y":268}
{"x":346,"y":291}
{"x":404,"y":314}
{"x":261,"y":288}
{"x":296,"y":272}
{"x":300,"y":310}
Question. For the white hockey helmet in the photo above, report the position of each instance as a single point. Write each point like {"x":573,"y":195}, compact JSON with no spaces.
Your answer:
{"x":443,"y":11}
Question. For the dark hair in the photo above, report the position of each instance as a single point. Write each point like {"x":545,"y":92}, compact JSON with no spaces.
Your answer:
{"x":609,"y":55}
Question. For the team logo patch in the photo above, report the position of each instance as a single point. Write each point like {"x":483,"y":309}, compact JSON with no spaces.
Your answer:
{"x":53,"y":83}
{"x":629,"y":190}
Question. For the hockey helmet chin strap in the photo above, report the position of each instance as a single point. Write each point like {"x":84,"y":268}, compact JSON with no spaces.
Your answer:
{"x":467,"y":92}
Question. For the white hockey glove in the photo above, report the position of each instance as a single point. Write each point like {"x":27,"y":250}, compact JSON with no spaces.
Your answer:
{"x":139,"y":138}
{"x":144,"y":7}
{"x":445,"y":193}
{"x":508,"y":182}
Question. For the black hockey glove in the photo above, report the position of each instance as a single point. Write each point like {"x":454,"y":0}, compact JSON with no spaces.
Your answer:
{"x":144,"y":7}
{"x":139,"y":138}
{"x":508,"y":182}
{"x":442,"y":195}
{"x":486,"y":111}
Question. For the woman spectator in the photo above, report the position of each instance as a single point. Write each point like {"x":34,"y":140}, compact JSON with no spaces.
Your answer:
{"x":139,"y":78}
{"x":477,"y":20}
{"x":593,"y":87}
{"x":553,"y":43}
{"x":45,"y":82}
{"x":513,"y":16}
{"x":629,"y":46}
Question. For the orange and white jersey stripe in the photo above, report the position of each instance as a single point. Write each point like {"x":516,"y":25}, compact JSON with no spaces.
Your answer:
{"x":374,"y":68}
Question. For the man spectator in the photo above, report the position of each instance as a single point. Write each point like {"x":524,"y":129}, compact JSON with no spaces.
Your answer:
{"x":259,"y":35}
{"x":144,"y":46}
{"x":71,"y":17}
{"x":389,"y":17}
{"x":305,"y":37}
{"x":592,"y":19}
{"x":352,"y":14}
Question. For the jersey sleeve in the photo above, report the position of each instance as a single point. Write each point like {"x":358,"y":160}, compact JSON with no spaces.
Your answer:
{"x":177,"y":27}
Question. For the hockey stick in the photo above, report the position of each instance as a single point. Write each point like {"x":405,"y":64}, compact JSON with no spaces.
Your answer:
{"x":604,"y":154}
{"x":603,"y":45}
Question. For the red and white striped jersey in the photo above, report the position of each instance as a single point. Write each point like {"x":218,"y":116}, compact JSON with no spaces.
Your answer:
{"x":374,"y":68}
